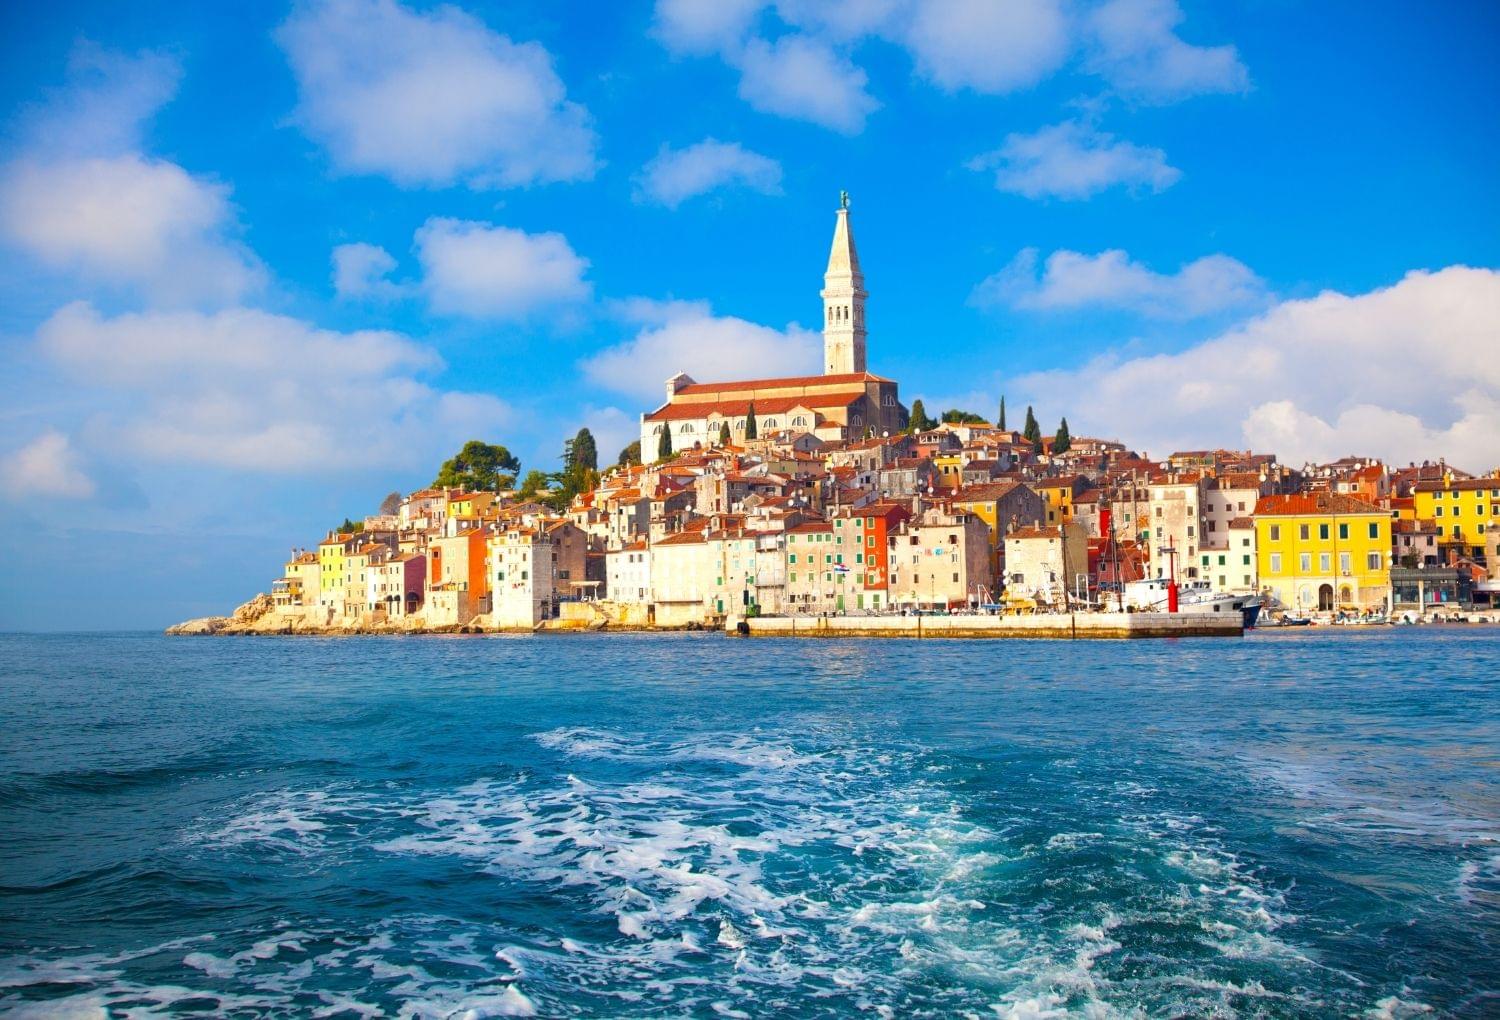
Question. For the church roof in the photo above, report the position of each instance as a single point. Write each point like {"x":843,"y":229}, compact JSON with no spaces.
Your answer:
{"x":763,"y":406}
{"x":791,"y":382}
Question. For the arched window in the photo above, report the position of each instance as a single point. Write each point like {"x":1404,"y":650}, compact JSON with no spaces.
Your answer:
{"x":770,"y":423}
{"x":856,"y":419}
{"x":799,"y":420}
{"x":739,"y":424}
{"x":687,"y":426}
{"x":656,"y":431}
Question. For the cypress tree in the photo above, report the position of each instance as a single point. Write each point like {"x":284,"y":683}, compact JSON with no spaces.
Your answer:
{"x":750,"y":430}
{"x":664,"y":445}
{"x":919,"y":419}
{"x":1032,"y":431}
{"x":1001,"y":423}
{"x":724,"y":434}
{"x":1063,"y":441}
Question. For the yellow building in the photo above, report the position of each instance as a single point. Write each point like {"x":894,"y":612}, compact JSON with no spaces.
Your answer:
{"x":1057,"y":496}
{"x":1463,"y":510}
{"x":331,"y":553}
{"x":1322,"y":551}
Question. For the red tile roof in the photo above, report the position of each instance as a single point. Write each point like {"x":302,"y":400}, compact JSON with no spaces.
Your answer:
{"x":798,"y":381}
{"x":1304,"y":504}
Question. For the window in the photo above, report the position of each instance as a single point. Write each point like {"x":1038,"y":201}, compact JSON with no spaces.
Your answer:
{"x":1323,"y":532}
{"x":1304,"y":532}
{"x":1343,"y":531}
{"x":955,"y":578}
{"x":1325,"y":563}
{"x":1276,"y":533}
{"x":1221,"y":563}
{"x":1304,"y":563}
{"x":1372,"y":561}
{"x":1438,"y":512}
{"x":792,"y":558}
{"x":792,"y":576}
{"x":1246,"y":560}
{"x":1374,"y":529}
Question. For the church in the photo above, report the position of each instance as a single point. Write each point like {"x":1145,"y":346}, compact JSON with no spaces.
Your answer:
{"x":845,"y":402}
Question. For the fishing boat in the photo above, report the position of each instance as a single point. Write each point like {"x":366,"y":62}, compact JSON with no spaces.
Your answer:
{"x":1193,"y":597}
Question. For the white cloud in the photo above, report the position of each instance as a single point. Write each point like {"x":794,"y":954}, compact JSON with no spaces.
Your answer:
{"x":430,"y":98}
{"x":1111,"y":279}
{"x":363,"y":270}
{"x":685,"y":336}
{"x":107,"y":99}
{"x":80,"y":199}
{"x":704,"y":26}
{"x":798,"y":76}
{"x":1406,"y":372}
{"x":676,"y":175}
{"x":246,"y":389}
{"x":987,"y":46}
{"x":132,"y":221}
{"x":1136,"y":48}
{"x":484,"y":271}
{"x":46,"y":466}
{"x":1074,"y":160}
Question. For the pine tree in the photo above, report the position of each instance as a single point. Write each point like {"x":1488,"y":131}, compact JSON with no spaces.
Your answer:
{"x":1001,"y":423}
{"x":919,"y":420}
{"x":724,"y":434}
{"x":1063,"y":441}
{"x":664,"y":445}
{"x":750,"y":430}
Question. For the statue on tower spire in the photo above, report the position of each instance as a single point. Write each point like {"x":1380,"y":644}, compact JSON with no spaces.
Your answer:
{"x":843,"y":199}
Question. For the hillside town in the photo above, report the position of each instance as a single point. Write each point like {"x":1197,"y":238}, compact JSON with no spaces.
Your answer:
{"x":825,"y":495}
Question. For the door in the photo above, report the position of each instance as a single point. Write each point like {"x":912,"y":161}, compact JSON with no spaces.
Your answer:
{"x":1325,"y":597}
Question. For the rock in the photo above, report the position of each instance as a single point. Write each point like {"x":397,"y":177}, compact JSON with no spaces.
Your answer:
{"x":202,"y":625}
{"x":254,"y":609}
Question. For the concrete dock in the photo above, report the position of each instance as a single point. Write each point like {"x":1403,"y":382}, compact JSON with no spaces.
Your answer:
{"x":1056,"y":625}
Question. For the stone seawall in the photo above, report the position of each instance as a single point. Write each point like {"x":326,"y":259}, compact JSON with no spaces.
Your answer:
{"x":1059,"y":625}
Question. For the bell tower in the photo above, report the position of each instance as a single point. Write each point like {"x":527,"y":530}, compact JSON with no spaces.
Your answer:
{"x":843,"y":301}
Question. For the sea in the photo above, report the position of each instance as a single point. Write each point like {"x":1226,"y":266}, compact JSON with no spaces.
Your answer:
{"x":1294,"y":824}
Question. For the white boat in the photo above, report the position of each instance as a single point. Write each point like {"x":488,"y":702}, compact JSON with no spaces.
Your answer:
{"x":1192,"y":597}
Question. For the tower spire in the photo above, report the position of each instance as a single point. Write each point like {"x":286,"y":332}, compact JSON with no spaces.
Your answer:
{"x":843,"y":301}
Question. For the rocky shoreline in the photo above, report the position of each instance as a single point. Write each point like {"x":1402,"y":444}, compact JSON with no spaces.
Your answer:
{"x":260,"y":617}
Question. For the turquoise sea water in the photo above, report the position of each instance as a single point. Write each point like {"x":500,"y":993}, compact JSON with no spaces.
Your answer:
{"x":687,"y":825}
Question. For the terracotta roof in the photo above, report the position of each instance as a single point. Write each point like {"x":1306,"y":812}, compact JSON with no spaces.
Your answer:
{"x":1034,"y":533}
{"x":984,"y":493}
{"x":1305,"y":504}
{"x":731,"y":409}
{"x":697,"y":388}
{"x":1458,"y":484}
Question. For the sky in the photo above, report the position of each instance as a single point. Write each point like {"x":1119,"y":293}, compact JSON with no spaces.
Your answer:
{"x":262,"y":264}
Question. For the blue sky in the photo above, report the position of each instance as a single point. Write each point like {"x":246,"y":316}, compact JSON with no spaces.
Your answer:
{"x":262,"y":264}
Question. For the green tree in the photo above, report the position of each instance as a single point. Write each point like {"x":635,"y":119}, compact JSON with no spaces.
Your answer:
{"x":954,"y":416}
{"x":750,"y":430}
{"x":724,"y":434}
{"x":664,"y":444}
{"x":1032,"y":432}
{"x":630,"y":455}
{"x":478,"y":466}
{"x":1063,"y":441}
{"x":351,"y":527}
{"x":919,"y":422}
{"x":536,"y":481}
{"x":1001,"y":423}
{"x":581,"y":452}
